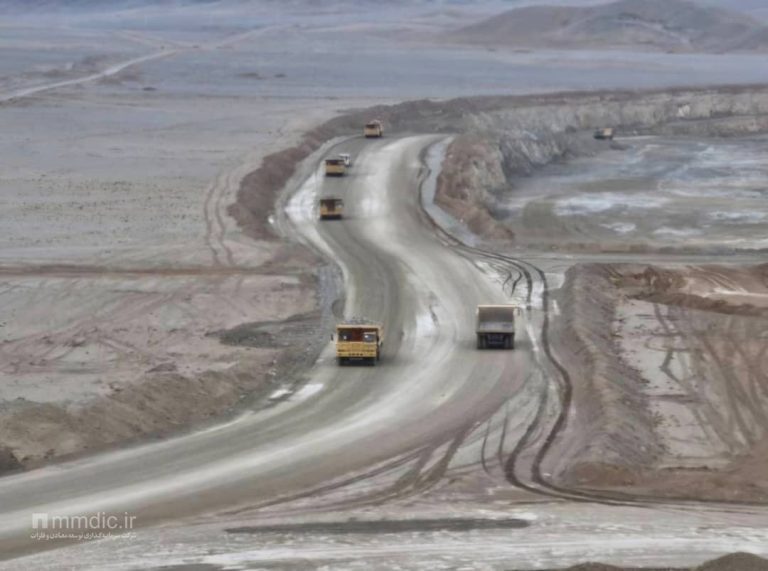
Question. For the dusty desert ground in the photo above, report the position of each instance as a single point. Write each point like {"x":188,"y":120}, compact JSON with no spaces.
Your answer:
{"x":135,"y":306}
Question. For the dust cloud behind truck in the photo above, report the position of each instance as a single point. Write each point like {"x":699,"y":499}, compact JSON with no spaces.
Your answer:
{"x":373,"y":129}
{"x":495,"y":326}
{"x":358,"y":342}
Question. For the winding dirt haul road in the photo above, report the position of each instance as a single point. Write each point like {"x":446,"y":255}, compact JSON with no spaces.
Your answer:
{"x":432,"y":402}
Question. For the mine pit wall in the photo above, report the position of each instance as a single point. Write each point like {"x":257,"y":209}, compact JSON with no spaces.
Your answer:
{"x":512,"y":138}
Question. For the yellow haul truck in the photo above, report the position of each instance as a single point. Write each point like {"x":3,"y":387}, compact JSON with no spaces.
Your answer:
{"x":359,"y":342}
{"x":335,"y":167}
{"x":495,"y":326}
{"x":331,"y":208}
{"x":373,"y":129}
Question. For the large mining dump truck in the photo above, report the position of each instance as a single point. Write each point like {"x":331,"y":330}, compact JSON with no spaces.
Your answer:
{"x":605,"y":134}
{"x":335,"y":167}
{"x":496,"y":326}
{"x":331,"y":208}
{"x":358,"y":341}
{"x":373,"y":129}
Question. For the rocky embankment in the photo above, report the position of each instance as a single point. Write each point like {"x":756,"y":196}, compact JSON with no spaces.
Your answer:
{"x":500,"y":145}
{"x":611,"y":413}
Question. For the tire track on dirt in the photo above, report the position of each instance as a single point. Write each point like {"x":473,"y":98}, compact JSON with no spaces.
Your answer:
{"x":735,"y":393}
{"x":215,"y":228}
{"x":711,"y":427}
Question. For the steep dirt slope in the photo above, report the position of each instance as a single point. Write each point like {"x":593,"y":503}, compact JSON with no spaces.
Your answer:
{"x":515,"y":138}
{"x":670,"y":386}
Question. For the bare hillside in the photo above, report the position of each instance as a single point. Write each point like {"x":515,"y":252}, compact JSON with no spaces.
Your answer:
{"x":666,"y":25}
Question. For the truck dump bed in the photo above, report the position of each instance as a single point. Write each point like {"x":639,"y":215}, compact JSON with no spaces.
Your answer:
{"x":335,"y":167}
{"x":373,"y":129}
{"x":495,"y":318}
{"x":495,"y":326}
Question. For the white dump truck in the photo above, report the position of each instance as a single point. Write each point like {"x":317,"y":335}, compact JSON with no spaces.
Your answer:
{"x":604,"y":134}
{"x":373,"y":129}
{"x":496,"y":326}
